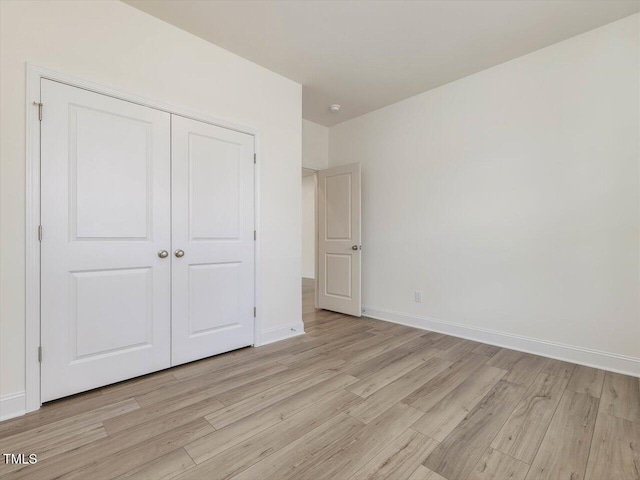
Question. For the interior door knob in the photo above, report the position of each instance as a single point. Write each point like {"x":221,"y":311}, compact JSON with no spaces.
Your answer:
{"x":163,"y":254}
{"x":179,"y":253}
{"x":354,"y":247}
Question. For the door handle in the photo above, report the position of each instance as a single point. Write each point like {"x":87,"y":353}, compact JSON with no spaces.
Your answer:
{"x":163,"y":254}
{"x":179,"y":253}
{"x":354,"y":247}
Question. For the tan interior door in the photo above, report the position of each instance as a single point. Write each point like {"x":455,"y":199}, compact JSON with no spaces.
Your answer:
{"x":339,"y":243}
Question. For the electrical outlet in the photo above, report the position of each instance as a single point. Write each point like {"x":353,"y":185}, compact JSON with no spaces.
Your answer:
{"x":417,"y":296}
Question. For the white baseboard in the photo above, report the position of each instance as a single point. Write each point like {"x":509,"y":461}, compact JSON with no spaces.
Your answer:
{"x":281,"y":333}
{"x":12,"y":406}
{"x":583,"y":356}
{"x":311,"y":276}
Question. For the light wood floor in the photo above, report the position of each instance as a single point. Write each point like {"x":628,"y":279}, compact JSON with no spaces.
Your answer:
{"x":352,"y":399}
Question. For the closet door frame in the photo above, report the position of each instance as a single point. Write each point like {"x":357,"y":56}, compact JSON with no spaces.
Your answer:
{"x":33,"y":110}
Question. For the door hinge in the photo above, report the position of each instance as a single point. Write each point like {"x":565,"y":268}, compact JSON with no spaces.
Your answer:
{"x":40,"y":354}
{"x":254,"y":311}
{"x":39,"y":104}
{"x":40,"y":233}
{"x":255,"y":235}
{"x":255,"y":159}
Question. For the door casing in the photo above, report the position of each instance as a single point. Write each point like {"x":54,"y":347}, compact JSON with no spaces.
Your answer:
{"x":33,"y":220}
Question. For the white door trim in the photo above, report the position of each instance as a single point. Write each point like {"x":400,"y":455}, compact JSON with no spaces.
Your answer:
{"x":32,"y":254}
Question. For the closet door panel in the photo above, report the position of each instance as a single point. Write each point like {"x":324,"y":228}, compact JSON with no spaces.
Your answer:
{"x":105,"y":214}
{"x":213,"y":240}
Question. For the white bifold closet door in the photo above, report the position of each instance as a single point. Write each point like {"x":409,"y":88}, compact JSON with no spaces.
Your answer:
{"x":213,"y":224}
{"x":106,"y":294}
{"x":147,"y":255}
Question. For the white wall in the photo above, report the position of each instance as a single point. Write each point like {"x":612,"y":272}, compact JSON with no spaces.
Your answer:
{"x":315,"y":145}
{"x":113,"y":44}
{"x":308,"y":227}
{"x":510,"y":198}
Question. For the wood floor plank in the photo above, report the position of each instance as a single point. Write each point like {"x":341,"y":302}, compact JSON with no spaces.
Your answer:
{"x":459,"y":349}
{"x":330,"y":327}
{"x":439,"y":387}
{"x":372,"y":366}
{"x":339,"y":341}
{"x":133,"y":458}
{"x":292,"y":461}
{"x":495,"y":465}
{"x":366,"y":344}
{"x":337,"y":333}
{"x":57,"y":445}
{"x":328,"y":323}
{"x":157,"y":411}
{"x":486,"y":350}
{"x":111,"y":446}
{"x":423,"y":473}
{"x":558,"y":368}
{"x":621,"y":396}
{"x":258,"y":447}
{"x":347,"y":458}
{"x":440,"y":420}
{"x":369,"y":355}
{"x":387,"y":397}
{"x":138,"y":385}
{"x":387,"y":374}
{"x":240,"y":410}
{"x":311,"y":343}
{"x":587,"y":380}
{"x":226,"y":361}
{"x":164,"y":468}
{"x":68,"y":426}
{"x":197,"y":377}
{"x":52,"y":412}
{"x":325,"y":319}
{"x":237,"y":432}
{"x":615,"y":450}
{"x":523,"y":432}
{"x":565,"y":448}
{"x":194,"y":385}
{"x":522,"y":367}
{"x":446,"y":342}
{"x":398,"y":459}
{"x":399,"y":329}
{"x":458,"y":454}
{"x":379,"y":325}
{"x":259,"y":385}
